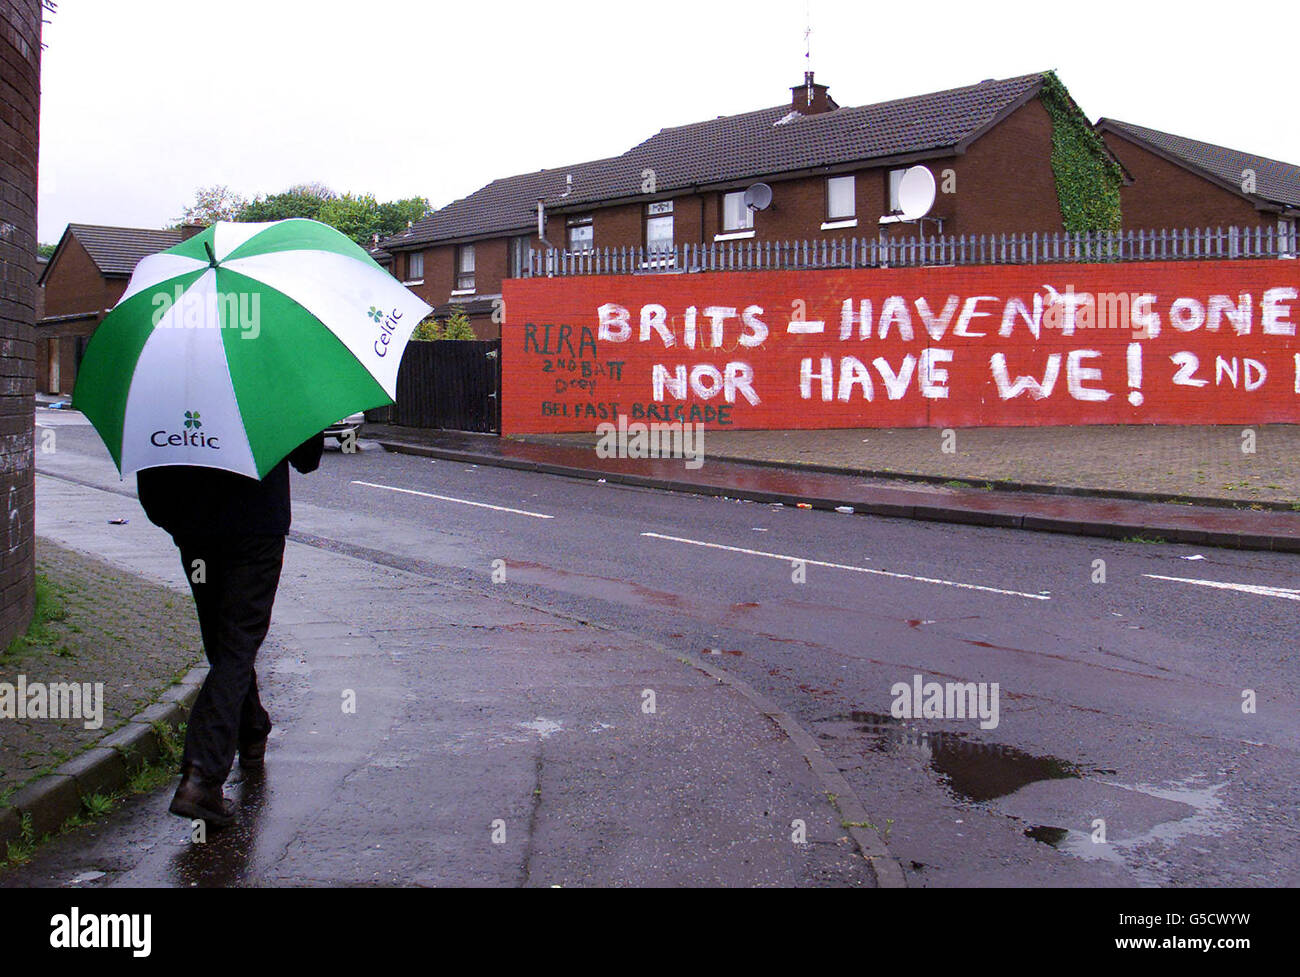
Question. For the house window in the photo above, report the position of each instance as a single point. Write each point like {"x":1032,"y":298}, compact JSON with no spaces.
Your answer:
{"x":659,"y":226}
{"x":465,"y":268}
{"x":415,"y":266}
{"x":736,"y":216}
{"x":1286,"y":237}
{"x":581,"y":234}
{"x":519,"y":248}
{"x":895,"y":181}
{"x":841,"y":198}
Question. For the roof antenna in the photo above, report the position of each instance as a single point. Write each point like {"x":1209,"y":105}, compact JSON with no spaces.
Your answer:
{"x":807,"y":52}
{"x":807,"y":35}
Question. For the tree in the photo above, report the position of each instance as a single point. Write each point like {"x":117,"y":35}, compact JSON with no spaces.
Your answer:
{"x":212,"y":204}
{"x":303,"y":200}
{"x":394,"y":215}
{"x":359,"y":216}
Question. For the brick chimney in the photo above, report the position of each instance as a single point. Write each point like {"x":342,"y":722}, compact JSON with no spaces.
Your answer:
{"x":811,"y":98}
{"x":189,"y":230}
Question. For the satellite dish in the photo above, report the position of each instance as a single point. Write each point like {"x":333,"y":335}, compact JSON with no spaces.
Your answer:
{"x":915,"y":193}
{"x":759,"y":196}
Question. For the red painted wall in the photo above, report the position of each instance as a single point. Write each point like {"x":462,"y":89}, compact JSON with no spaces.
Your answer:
{"x":954,"y":343}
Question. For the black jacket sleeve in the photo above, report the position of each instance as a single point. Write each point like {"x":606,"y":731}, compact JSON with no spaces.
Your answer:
{"x":306,"y":457}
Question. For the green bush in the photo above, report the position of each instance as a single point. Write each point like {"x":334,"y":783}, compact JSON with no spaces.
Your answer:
{"x":457,"y":326}
{"x":427,"y":331}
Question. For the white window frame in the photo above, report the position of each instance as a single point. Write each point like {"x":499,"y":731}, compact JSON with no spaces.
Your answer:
{"x":462,"y":273}
{"x":575,"y":223}
{"x":520,"y":245}
{"x":672,"y":231}
{"x":895,"y":181}
{"x":831,"y":216}
{"x":414,"y":268}
{"x":1286,"y":230}
{"x":747,"y":217}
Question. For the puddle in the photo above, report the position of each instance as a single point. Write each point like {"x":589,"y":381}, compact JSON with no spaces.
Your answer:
{"x":974,"y":771}
{"x":1047,"y":834}
{"x":1136,"y":817}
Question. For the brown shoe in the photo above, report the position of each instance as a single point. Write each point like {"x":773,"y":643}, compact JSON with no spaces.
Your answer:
{"x":197,"y":798}
{"x":252,"y":756}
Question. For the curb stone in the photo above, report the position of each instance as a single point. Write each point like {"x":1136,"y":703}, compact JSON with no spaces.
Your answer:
{"x":924,"y":512}
{"x":10,"y":825}
{"x":105,"y":767}
{"x":48,"y":802}
{"x":1006,"y":485}
{"x":968,"y":481}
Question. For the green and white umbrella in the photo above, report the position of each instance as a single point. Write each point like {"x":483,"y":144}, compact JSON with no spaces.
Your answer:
{"x":232,"y":348}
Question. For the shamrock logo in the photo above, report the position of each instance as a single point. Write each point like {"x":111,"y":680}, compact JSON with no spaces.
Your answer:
{"x":192,"y":419}
{"x":375,"y":313}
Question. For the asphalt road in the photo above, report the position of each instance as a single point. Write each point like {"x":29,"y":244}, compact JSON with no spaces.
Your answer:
{"x":1118,"y":701}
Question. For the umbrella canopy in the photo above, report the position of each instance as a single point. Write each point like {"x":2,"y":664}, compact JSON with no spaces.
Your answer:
{"x":232,"y":348}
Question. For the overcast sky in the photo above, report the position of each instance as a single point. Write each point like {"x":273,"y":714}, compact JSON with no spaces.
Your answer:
{"x":145,"y":100}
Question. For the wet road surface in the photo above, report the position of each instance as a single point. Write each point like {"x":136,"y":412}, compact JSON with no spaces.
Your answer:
{"x":1121,"y":667}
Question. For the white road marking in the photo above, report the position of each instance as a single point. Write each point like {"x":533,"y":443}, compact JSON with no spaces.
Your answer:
{"x":1246,"y":588}
{"x":844,"y":566}
{"x":448,"y":498}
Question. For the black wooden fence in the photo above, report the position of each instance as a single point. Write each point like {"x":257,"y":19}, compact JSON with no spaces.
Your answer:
{"x":452,"y":384}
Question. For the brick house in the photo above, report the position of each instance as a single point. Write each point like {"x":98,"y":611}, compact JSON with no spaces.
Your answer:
{"x":85,"y":277}
{"x":1180,"y":182}
{"x":833,"y":172}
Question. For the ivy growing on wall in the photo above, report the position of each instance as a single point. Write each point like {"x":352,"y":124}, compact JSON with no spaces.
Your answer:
{"x":1087,"y":178}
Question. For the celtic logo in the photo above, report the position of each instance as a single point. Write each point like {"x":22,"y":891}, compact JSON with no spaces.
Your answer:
{"x":192,"y":419}
{"x":375,"y":313}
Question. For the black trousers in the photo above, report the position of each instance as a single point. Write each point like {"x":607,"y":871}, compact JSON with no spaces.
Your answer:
{"x":234,"y":586}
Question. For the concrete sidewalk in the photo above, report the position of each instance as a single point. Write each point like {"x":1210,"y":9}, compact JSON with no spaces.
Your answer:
{"x":491,"y":743}
{"x":1205,"y":465}
{"x":1114,"y":518}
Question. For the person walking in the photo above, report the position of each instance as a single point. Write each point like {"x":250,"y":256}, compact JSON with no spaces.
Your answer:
{"x":230,"y":530}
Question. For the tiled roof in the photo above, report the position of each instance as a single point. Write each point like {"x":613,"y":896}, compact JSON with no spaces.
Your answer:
{"x":740,"y":147}
{"x":1275,"y":181}
{"x":735,"y":148}
{"x":503,"y":205}
{"x":117,"y":250}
